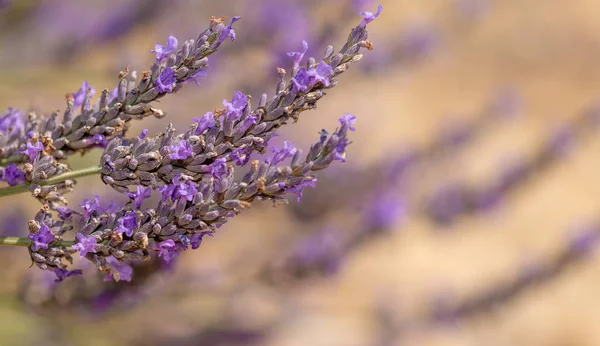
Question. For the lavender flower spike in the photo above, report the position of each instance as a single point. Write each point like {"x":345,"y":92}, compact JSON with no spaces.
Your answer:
{"x":240,"y":132}
{"x":190,"y":208}
{"x":132,"y":99}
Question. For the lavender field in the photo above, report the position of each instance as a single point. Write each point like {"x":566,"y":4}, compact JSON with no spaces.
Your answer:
{"x":456,"y":196}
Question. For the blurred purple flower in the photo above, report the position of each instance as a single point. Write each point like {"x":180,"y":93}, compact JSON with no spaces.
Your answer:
{"x":13,"y":175}
{"x":120,"y":271}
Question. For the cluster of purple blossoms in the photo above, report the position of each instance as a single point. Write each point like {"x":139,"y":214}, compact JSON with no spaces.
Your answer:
{"x":193,"y":171}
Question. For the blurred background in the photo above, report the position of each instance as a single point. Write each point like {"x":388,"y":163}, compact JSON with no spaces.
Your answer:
{"x":467,"y":212}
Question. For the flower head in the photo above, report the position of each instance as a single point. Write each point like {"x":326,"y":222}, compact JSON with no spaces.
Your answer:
{"x":235,"y":108}
{"x":340,"y":150}
{"x":228,"y":31}
{"x":143,"y":134}
{"x":369,"y":16}
{"x":119,"y":270}
{"x":348,"y":120}
{"x":127,"y":224}
{"x":298,"y":188}
{"x":42,"y":238}
{"x":33,"y":150}
{"x":206,"y":122}
{"x":81,"y":94}
{"x":321,"y":73}
{"x":90,"y":206}
{"x":302,"y":80}
{"x":64,"y":213}
{"x":62,"y":274}
{"x":166,"y":191}
{"x":218,"y":168}
{"x":163,"y":52}
{"x":184,"y":188}
{"x":139,"y":195}
{"x":196,"y":77}
{"x":288,"y":150}
{"x":298,"y":56}
{"x":196,"y":238}
{"x":11,"y":122}
{"x":166,"y":81}
{"x":13,"y":175}
{"x":167,"y":250}
{"x":241,"y":156}
{"x":181,"y":151}
{"x":84,"y":244}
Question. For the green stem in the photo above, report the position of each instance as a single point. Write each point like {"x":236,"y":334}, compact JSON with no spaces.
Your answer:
{"x":12,"y":190}
{"x":72,"y":175}
{"x":17,"y":241}
{"x":11,"y":159}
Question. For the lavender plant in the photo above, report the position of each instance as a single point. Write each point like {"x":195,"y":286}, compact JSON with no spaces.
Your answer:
{"x":192,"y":171}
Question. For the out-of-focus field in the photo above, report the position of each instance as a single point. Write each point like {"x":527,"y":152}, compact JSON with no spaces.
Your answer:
{"x":548,"y":51}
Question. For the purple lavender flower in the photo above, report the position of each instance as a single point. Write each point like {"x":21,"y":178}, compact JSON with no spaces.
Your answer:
{"x":127,"y":224}
{"x":196,"y":77}
{"x":181,"y":151}
{"x":228,"y":31}
{"x":13,"y":175}
{"x":166,"y":81}
{"x":218,"y":168}
{"x":89,"y":207}
{"x":41,"y":238}
{"x":298,"y":189}
{"x":302,"y":80}
{"x":163,"y":52}
{"x":167,"y":250}
{"x":199,"y":189}
{"x":299,"y":56}
{"x":33,"y":150}
{"x":62,"y":274}
{"x":139,"y":195}
{"x":196,"y":238}
{"x":12,"y":122}
{"x":240,"y":156}
{"x":99,"y":140}
{"x":184,"y":188}
{"x":321,"y":73}
{"x":166,"y":191}
{"x":80,"y":96}
{"x":206,"y":122}
{"x":348,"y":120}
{"x":384,"y":211}
{"x":120,"y":271}
{"x":288,"y":150}
{"x":143,"y":134}
{"x":369,"y":16}
{"x":64,"y":213}
{"x":235,"y":108}
{"x":84,"y":244}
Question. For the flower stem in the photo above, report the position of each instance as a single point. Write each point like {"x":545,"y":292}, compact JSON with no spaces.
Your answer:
{"x":13,"y":190}
{"x":11,"y":159}
{"x":18,"y":241}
